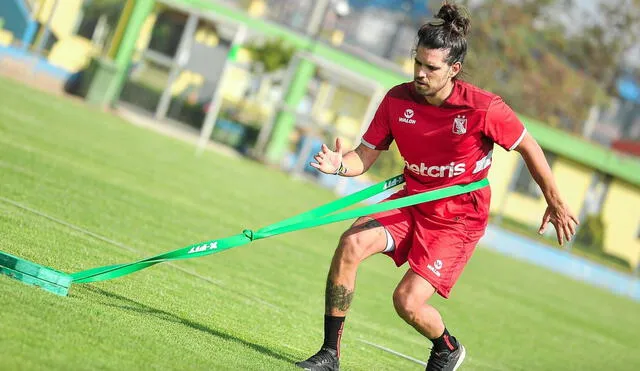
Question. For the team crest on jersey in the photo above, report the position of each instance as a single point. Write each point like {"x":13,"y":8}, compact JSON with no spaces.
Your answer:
{"x":460,"y":125}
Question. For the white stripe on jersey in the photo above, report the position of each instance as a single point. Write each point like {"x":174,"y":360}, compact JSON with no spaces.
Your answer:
{"x":483,"y":163}
{"x":519,"y":140}
{"x":367,"y":144}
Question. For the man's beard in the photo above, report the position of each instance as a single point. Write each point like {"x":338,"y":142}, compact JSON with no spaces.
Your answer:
{"x":425,"y":91}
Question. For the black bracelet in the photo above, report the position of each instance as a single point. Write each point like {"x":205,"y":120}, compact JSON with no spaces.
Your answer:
{"x":341,"y":169}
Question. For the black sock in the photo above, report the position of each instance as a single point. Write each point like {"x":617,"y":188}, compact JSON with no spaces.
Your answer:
{"x":333,"y":332}
{"x":445,"y":342}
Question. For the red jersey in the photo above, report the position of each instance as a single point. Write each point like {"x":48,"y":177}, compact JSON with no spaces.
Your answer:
{"x":448,"y":144}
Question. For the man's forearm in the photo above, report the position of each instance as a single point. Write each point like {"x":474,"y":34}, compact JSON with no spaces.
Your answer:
{"x":557,"y":211}
{"x":357,"y":161}
{"x":352,"y":163}
{"x":542,"y":175}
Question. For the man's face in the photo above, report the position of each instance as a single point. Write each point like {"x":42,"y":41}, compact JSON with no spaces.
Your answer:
{"x":430,"y":71}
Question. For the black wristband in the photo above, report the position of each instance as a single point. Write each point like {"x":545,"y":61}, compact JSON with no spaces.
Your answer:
{"x":341,"y":170}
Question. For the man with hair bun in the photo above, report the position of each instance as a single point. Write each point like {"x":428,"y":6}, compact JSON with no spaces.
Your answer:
{"x":445,"y":130}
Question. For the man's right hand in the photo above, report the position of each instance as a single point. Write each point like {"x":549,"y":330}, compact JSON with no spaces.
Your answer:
{"x":328,"y":161}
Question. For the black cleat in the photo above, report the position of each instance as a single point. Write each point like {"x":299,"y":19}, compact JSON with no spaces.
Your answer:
{"x":446,"y":360}
{"x":325,"y":360}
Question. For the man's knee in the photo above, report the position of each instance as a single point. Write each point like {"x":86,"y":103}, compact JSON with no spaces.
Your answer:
{"x":408,"y":301}
{"x":352,"y":248}
{"x":361,"y":241}
{"x":405,"y":304}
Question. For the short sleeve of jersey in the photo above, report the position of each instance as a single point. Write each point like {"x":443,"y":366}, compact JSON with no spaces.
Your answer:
{"x":503,"y":126}
{"x":378,"y":136}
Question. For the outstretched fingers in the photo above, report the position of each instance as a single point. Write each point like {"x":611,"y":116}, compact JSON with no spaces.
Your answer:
{"x":570,"y":225}
{"x":338,"y":145}
{"x":320,"y":159}
{"x":545,"y":221}
{"x":565,"y":224}
{"x":575,"y":220}
{"x":560,"y":234}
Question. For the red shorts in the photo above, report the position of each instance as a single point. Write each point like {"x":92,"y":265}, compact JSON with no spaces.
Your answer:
{"x":437,"y":238}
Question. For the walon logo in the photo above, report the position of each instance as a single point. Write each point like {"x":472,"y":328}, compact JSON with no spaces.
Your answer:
{"x":407,"y":119}
{"x":435,"y":268}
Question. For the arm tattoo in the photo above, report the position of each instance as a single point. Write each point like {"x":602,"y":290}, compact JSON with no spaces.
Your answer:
{"x":337,"y":297}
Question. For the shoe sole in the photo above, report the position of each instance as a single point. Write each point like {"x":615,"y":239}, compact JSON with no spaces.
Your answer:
{"x":463,"y":353}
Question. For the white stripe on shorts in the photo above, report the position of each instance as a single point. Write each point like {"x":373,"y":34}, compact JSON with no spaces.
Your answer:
{"x":390,"y":243}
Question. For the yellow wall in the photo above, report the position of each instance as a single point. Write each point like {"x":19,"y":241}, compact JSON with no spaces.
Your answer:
{"x":6,"y":37}
{"x":145,"y":35}
{"x":72,"y":53}
{"x":349,"y":107}
{"x":257,"y":8}
{"x":525,"y":209}
{"x":503,"y":165}
{"x":65,"y":16}
{"x":234,"y":83}
{"x":357,"y":103}
{"x":322,"y":101}
{"x":621,"y":216}
{"x":573,"y":181}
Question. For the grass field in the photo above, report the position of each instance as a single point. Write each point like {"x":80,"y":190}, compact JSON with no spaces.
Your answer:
{"x":81,"y":189}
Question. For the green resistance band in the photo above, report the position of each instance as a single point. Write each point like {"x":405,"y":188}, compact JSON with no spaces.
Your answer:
{"x":312,"y":218}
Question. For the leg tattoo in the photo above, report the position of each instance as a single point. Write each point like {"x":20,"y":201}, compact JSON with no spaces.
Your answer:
{"x":337,"y":297}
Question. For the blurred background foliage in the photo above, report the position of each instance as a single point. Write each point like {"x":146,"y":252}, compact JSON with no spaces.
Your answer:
{"x":271,"y":54}
{"x":550,"y":64}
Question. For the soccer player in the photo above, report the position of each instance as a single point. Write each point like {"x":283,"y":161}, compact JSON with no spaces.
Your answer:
{"x":445,"y":129}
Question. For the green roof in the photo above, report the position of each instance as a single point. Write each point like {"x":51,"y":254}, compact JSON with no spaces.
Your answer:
{"x":584,"y":152}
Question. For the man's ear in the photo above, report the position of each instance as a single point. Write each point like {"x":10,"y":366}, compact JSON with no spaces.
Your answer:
{"x":455,"y":69}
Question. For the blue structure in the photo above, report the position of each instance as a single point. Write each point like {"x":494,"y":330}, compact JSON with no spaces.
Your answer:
{"x":628,"y":89}
{"x":18,"y":20}
{"x":560,"y":261}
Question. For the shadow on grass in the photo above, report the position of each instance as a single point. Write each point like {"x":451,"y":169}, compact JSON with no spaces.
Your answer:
{"x":131,"y":305}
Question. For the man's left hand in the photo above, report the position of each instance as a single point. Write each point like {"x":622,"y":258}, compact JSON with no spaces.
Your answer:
{"x":562,"y":219}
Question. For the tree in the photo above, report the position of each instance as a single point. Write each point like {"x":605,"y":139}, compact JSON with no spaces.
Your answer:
{"x":272,"y":54}
{"x":599,"y":47}
{"x":524,"y":49}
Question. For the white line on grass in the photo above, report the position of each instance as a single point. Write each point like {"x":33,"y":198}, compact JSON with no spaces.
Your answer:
{"x":69,"y":225}
{"x":484,"y":365}
{"x":393,"y":352}
{"x":131,"y":249}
